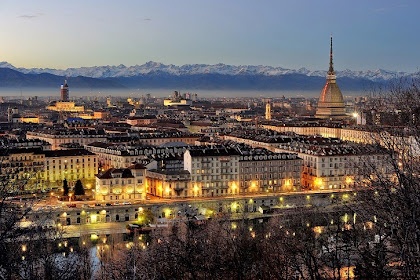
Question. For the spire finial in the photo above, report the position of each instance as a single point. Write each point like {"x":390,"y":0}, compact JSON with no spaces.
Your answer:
{"x":331,"y":70}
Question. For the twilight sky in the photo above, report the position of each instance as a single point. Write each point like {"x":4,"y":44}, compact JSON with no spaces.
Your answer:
{"x":292,"y":34}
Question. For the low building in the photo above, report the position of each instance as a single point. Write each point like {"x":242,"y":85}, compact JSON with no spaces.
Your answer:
{"x":169,"y":183}
{"x":116,"y":184}
{"x":65,"y":106}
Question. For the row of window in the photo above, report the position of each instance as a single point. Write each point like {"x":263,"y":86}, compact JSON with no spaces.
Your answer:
{"x":71,"y":160}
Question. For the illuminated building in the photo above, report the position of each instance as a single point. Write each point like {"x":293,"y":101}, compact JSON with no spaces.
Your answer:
{"x":332,"y":164}
{"x":117,"y":156}
{"x":214,"y":170}
{"x":264,"y":171}
{"x":116,"y":184}
{"x":68,"y":106}
{"x":168,"y":183}
{"x":177,"y":100}
{"x":72,"y":165}
{"x":65,"y":105}
{"x":40,"y":169}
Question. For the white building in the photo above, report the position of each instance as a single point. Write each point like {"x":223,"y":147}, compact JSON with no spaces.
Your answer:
{"x":214,"y":170}
{"x":121,"y":184}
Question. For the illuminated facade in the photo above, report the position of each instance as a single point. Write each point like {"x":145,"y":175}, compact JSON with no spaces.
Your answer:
{"x":335,"y":167}
{"x":345,"y":134}
{"x":121,"y":184}
{"x":72,"y":165}
{"x":68,"y":106}
{"x":177,"y":100}
{"x":214,"y":170}
{"x":263,"y":171}
{"x":169,"y":184}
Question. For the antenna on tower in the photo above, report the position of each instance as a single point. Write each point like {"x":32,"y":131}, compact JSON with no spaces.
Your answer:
{"x":331,"y":69}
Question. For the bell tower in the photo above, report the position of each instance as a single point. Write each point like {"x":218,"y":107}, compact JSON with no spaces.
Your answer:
{"x":268,"y":111}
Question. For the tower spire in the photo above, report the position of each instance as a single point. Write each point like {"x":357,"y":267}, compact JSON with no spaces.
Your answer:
{"x":331,"y":70}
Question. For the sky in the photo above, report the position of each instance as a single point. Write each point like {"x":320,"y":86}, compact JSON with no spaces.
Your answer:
{"x":368,"y":35}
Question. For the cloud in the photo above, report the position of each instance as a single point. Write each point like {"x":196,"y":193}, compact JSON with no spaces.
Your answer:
{"x":380,"y":10}
{"x":30,"y":16}
{"x":390,"y":8}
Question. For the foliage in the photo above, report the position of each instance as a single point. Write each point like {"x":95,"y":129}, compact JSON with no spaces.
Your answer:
{"x":65,"y":188}
{"x":78,"y":188}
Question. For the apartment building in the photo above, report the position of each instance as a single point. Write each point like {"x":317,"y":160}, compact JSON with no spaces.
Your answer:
{"x":333,"y":164}
{"x":263,"y":171}
{"x":21,"y":169}
{"x":72,"y":165}
{"x":214,"y":170}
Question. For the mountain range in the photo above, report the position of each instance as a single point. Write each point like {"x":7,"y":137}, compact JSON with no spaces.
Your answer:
{"x":192,"y":76}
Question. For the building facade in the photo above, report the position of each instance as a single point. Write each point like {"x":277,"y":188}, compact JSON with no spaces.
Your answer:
{"x":262,"y":171}
{"x":169,"y":183}
{"x":72,"y":165}
{"x":21,"y":169}
{"x":214,"y":171}
{"x":117,"y":184}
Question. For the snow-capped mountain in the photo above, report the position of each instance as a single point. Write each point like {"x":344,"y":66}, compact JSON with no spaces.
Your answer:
{"x":150,"y":68}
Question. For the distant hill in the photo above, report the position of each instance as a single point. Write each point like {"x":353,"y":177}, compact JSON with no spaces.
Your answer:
{"x":12,"y":78}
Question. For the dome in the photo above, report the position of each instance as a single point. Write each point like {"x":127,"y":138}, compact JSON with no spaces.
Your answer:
{"x":331,"y":93}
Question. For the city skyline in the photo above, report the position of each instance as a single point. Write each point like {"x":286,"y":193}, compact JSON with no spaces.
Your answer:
{"x":374,"y":35}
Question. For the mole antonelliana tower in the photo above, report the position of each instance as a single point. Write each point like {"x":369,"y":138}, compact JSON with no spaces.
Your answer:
{"x":330,"y":103}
